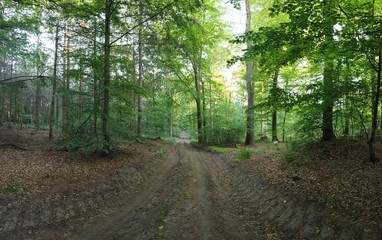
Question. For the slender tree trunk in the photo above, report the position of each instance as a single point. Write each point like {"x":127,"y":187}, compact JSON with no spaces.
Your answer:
{"x":372,"y":157}
{"x":38,"y":89}
{"x":274,"y":112}
{"x":250,"y":87}
{"x":10,"y":98}
{"x":37,"y":118}
{"x":106,"y":80}
{"x":2,"y":100}
{"x":95,"y":83}
{"x":140,"y":70}
{"x":66,"y":82}
{"x":198,"y":101}
{"x":10,"y":111}
{"x":347,"y":118}
{"x":2,"y":107}
{"x":54,"y":85}
{"x":203,"y":109}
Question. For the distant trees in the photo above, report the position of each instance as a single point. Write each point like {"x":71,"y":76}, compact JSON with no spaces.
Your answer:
{"x":324,"y":36}
{"x":154,"y":68}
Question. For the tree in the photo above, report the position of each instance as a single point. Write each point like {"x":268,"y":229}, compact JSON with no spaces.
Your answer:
{"x":248,"y":79}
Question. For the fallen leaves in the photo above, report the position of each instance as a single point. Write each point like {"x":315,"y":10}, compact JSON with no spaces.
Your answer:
{"x":335,"y":173}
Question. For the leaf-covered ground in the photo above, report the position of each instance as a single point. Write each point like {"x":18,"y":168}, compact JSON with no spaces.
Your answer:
{"x":336,"y":174}
{"x":42,"y":169}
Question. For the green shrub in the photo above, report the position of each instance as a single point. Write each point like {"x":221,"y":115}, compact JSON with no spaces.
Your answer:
{"x":216,"y":149}
{"x":243,"y":155}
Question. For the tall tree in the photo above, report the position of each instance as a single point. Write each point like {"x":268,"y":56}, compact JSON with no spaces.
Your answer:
{"x":274,"y":111}
{"x":106,"y":78}
{"x":54,"y":84}
{"x":140,"y":68}
{"x":248,"y":79}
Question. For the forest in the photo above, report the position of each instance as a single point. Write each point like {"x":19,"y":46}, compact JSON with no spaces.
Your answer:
{"x":94,"y":71}
{"x":190,"y":119}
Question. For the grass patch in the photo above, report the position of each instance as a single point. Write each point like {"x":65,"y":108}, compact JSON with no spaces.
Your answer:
{"x":54,"y":175}
{"x":262,"y":147}
{"x":243,"y":155}
{"x":161,"y":152}
{"x":12,"y":187}
{"x":163,"y":215}
{"x":216,"y":149}
{"x":170,"y":139}
{"x":330,"y":200}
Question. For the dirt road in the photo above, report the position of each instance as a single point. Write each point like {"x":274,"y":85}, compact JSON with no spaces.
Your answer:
{"x":188,"y":198}
{"x":194,"y":194}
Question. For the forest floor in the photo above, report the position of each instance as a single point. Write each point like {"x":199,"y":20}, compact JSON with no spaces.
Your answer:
{"x":177,"y":191}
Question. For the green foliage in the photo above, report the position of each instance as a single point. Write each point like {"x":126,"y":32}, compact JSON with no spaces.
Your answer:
{"x":12,"y":187}
{"x":82,"y":141}
{"x":243,"y":154}
{"x":161,"y":152}
{"x":330,"y":200}
{"x":294,"y":153}
{"x":221,"y":149}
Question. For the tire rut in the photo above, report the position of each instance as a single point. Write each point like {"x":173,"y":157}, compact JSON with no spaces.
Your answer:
{"x":140,"y":216}
{"x":198,"y":195}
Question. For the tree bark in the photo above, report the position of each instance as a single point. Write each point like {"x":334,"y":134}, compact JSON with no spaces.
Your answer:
{"x":328,"y":102}
{"x":203,"y":109}
{"x":66,"y":82}
{"x":328,"y":82}
{"x":140,"y":70}
{"x":54,"y":85}
{"x":106,"y":80}
{"x":37,"y":118}
{"x":95,"y":83}
{"x":274,"y":112}
{"x":249,"y":138}
{"x":372,"y":157}
{"x":198,"y":101}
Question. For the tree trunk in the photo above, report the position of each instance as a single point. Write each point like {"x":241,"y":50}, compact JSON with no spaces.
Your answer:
{"x":2,"y":108}
{"x":372,"y":157}
{"x":140,"y":70}
{"x":38,"y":89}
{"x":66,"y":82}
{"x":250,"y":87}
{"x":10,"y":111}
{"x":106,"y":80}
{"x":37,"y":118}
{"x":274,"y":112}
{"x":203,"y":109}
{"x":95,"y":82}
{"x":327,"y":116}
{"x":329,"y":78}
{"x":198,"y":101}
{"x":54,"y":85}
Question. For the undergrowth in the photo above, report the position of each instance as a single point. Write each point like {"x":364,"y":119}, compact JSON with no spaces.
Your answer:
{"x":216,"y":149}
{"x":243,"y":155}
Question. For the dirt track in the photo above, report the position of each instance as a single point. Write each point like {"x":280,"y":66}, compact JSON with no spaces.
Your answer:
{"x":198,"y":195}
{"x":187,"y":199}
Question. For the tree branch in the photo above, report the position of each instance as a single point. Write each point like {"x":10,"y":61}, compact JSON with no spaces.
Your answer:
{"x":7,"y":81}
{"x":343,"y":11}
{"x":145,"y":20}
